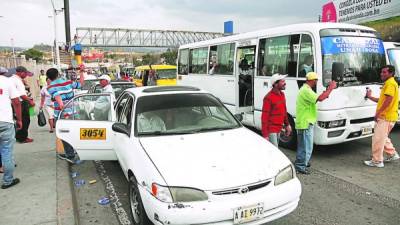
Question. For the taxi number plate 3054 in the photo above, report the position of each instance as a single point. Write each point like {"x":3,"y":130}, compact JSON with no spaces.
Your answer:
{"x":93,"y":133}
{"x":247,"y":214}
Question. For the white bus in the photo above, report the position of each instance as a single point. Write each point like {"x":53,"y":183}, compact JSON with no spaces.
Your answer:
{"x":238,"y":68}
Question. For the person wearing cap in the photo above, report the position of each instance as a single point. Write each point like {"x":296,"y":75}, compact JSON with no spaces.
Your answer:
{"x":9,"y":99}
{"x":102,"y":104}
{"x":386,"y":116}
{"x":306,"y":117}
{"x":274,"y":112}
{"x":26,"y":102}
{"x":61,"y":92}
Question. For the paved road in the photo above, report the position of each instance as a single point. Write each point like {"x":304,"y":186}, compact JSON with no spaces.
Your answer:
{"x":340,"y":190}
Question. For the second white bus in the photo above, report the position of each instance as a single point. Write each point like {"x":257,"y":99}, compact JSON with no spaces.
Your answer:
{"x":238,"y":68}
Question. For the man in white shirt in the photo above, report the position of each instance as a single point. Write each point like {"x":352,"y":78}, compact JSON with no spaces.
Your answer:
{"x":8,"y":96}
{"x":26,"y":103}
{"x":102,"y":105}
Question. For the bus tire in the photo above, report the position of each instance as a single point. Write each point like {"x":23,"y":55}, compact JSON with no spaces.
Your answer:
{"x":290,"y":141}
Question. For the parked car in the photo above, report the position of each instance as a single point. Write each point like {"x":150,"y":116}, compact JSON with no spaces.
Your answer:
{"x":188,"y":160}
{"x":118,"y":86}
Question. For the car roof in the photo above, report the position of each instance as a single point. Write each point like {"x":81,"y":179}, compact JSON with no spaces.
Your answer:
{"x":156,"y":67}
{"x":157,"y":90}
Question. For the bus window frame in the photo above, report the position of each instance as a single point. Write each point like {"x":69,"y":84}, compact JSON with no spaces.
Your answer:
{"x":298,"y":56}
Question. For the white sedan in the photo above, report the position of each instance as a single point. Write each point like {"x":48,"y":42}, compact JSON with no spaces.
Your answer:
{"x":187,"y":158}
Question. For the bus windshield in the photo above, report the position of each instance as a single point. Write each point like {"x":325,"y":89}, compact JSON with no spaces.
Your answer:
{"x":166,"y":74}
{"x":362,"y":58}
{"x":394,"y":59}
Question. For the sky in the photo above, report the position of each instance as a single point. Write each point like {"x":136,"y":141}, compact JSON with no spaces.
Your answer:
{"x":27,"y":22}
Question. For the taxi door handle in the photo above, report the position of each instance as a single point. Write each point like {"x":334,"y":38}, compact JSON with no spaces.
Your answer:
{"x":64,"y":130}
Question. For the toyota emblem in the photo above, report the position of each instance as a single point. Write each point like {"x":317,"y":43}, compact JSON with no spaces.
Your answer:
{"x":243,"y":190}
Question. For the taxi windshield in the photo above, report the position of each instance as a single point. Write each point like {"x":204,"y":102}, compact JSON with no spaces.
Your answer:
{"x":166,"y":74}
{"x":181,"y":114}
{"x":361,"y":57}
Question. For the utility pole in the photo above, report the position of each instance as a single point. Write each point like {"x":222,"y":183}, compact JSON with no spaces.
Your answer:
{"x":67,"y":23}
{"x":55,"y":11}
{"x":13,"y":50}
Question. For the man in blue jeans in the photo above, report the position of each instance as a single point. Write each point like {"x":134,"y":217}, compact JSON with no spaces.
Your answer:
{"x":9,"y":95}
{"x":306,"y":116}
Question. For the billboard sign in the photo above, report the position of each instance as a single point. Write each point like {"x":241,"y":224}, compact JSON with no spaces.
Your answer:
{"x":359,"y":11}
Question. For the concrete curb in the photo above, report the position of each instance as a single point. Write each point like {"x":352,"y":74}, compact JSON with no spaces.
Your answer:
{"x":67,"y":210}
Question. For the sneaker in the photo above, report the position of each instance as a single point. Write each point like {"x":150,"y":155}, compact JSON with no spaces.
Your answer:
{"x":393,"y":157}
{"x":374,"y":164}
{"x":305,"y":172}
{"x":64,"y":157}
{"x":14,"y":182}
{"x":27,"y":140}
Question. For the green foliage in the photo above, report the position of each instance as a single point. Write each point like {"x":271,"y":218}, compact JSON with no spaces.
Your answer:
{"x":170,"y":56}
{"x":33,"y":54}
{"x":149,"y":59}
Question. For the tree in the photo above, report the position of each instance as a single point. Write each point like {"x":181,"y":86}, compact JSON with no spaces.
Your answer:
{"x":33,"y":54}
{"x":170,"y":56}
{"x":149,"y":59}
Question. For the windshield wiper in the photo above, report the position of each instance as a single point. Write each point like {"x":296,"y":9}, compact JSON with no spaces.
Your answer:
{"x":158,"y":133}
{"x":214,"y":128}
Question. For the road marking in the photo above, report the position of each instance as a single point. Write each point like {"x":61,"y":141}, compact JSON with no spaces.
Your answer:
{"x":115,"y":202}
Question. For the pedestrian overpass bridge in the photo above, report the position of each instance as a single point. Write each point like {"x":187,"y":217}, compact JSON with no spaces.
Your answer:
{"x":117,"y":37}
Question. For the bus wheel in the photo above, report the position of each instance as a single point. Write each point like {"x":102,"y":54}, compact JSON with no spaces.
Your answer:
{"x":290,"y":141}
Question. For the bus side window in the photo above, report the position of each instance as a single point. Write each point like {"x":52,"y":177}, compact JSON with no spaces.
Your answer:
{"x":221,"y":59}
{"x":183,"y":61}
{"x":306,"y":58}
{"x":279,"y":55}
{"x":198,"y":61}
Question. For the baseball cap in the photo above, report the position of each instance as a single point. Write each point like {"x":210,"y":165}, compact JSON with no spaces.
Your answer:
{"x":105,"y":77}
{"x":276,"y":77}
{"x":3,"y":70}
{"x":23,"y":69}
{"x":312,"y":76}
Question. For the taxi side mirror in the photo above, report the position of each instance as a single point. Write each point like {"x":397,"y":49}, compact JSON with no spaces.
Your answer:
{"x":239,"y":117}
{"x":121,"y":128}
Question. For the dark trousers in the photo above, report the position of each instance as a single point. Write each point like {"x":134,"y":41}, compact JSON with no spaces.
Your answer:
{"x":22,"y":134}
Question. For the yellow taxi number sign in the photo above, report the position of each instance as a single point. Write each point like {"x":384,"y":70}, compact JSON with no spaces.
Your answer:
{"x":93,"y":134}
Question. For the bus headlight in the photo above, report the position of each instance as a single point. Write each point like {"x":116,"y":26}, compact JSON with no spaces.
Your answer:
{"x":332,"y":124}
{"x":285,"y":175}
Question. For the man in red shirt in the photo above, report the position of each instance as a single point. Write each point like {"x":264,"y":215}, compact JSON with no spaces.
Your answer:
{"x":274,"y":113}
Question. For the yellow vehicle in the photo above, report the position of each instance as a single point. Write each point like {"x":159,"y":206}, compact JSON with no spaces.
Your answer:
{"x":166,"y":74}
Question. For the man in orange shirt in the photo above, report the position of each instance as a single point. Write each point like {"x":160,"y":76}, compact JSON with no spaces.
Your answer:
{"x":385,"y":118}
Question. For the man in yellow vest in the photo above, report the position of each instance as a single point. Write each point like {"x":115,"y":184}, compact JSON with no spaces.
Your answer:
{"x":385,"y":118}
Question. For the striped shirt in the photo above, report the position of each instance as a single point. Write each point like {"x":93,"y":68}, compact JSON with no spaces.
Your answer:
{"x":64,"y":89}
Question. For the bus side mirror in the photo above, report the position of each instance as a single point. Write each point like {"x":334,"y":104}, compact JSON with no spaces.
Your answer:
{"x":337,"y":71}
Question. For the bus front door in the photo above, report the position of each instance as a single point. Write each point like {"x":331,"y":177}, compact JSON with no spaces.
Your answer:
{"x":245,"y":69}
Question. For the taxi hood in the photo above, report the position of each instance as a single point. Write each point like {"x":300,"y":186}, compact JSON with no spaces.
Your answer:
{"x":214,"y":160}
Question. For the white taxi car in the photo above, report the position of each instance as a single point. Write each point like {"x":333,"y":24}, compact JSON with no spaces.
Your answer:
{"x":187,"y":158}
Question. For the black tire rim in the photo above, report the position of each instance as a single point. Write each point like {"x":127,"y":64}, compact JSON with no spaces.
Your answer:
{"x":135,"y":204}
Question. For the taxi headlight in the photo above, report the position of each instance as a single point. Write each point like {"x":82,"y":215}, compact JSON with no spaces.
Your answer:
{"x":162,"y":193}
{"x":181,"y":194}
{"x":285,"y":175}
{"x":177,"y":194}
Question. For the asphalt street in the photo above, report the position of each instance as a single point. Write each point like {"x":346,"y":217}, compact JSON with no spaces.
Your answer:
{"x":340,"y":190}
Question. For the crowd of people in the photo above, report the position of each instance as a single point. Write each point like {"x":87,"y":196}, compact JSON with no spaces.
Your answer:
{"x":274,"y":117}
{"x":56,"y":91}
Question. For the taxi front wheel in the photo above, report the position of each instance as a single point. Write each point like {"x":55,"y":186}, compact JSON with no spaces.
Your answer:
{"x":138,"y":213}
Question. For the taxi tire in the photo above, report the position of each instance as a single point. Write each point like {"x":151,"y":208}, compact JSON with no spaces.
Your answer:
{"x":134,"y":190}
